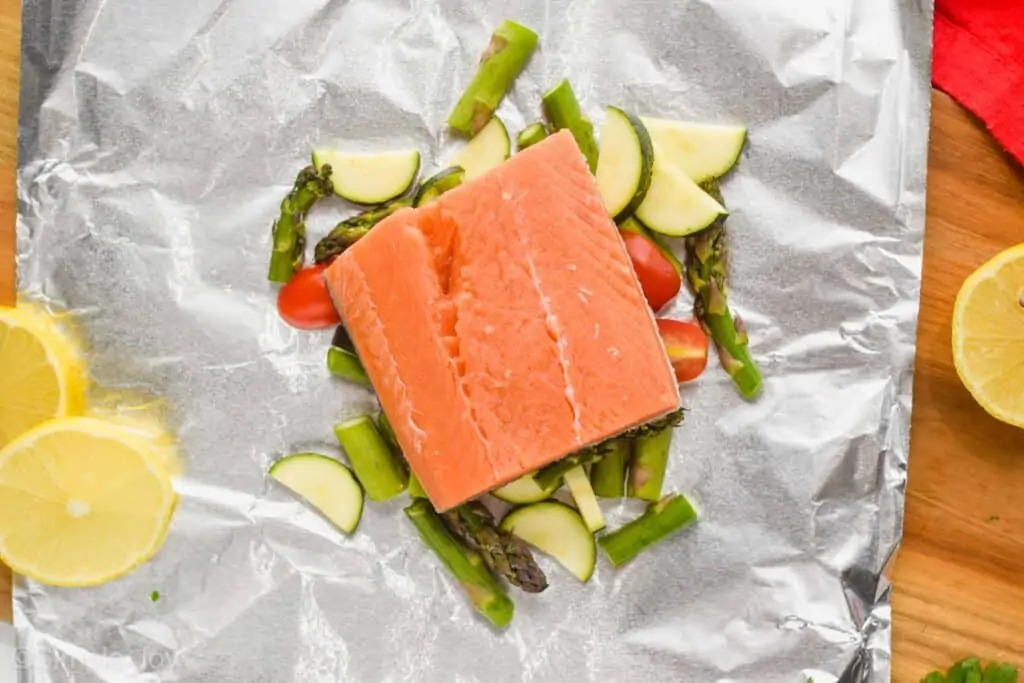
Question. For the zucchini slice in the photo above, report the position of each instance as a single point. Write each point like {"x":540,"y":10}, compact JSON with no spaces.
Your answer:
{"x":625,"y":162}
{"x":370,"y":178}
{"x":586,"y":500}
{"x":701,"y":151}
{"x":524,"y":490}
{"x":556,"y":530}
{"x":675,"y":205}
{"x":488,"y":148}
{"x":439,"y":183}
{"x":324,"y":483}
{"x":531,"y":135}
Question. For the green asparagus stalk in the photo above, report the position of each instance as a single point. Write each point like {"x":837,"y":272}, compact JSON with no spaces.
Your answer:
{"x":706,"y":264}
{"x":997,"y":672}
{"x":501,"y":62}
{"x":647,"y":468}
{"x":465,"y":564}
{"x":505,"y":554}
{"x":531,"y":135}
{"x":387,"y":432}
{"x":563,"y":111}
{"x":351,"y":230}
{"x":549,"y":475}
{"x":673,"y":419}
{"x":662,"y":519}
{"x":289,"y":230}
{"x":416,"y":488}
{"x":608,"y":475}
{"x":378,"y":469}
{"x":347,"y":366}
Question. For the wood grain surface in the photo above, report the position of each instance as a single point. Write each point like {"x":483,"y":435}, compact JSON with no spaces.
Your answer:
{"x":958,"y":582}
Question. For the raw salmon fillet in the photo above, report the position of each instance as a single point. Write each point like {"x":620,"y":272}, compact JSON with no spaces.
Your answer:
{"x":502,"y":326}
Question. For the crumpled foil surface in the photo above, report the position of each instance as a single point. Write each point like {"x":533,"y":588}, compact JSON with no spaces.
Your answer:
{"x":157,"y":139}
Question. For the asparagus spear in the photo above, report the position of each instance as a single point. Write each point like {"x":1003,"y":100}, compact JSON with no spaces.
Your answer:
{"x":289,"y":230}
{"x":346,"y":365}
{"x":563,"y":111}
{"x":997,"y":672}
{"x":531,"y":135}
{"x":706,"y":264}
{"x":505,"y":554}
{"x":416,"y":488}
{"x":647,"y":469}
{"x":662,"y":519}
{"x":673,"y":419}
{"x":608,"y":475}
{"x":387,"y":432}
{"x":549,"y":475}
{"x":351,"y":230}
{"x":510,"y":48}
{"x":466,"y":565}
{"x":377,"y":468}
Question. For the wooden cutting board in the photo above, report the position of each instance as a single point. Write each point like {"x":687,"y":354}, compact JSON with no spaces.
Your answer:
{"x":959,"y":581}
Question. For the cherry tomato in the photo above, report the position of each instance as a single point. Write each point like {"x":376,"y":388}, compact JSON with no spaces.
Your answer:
{"x":304,"y":302}
{"x":687,"y":347}
{"x":657,"y":275}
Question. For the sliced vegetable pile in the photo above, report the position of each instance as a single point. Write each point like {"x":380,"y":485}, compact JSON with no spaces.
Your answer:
{"x":659,"y":180}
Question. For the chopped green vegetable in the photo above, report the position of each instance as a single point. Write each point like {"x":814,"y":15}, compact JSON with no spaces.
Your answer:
{"x":416,"y":488}
{"x":324,"y":483}
{"x":289,"y":230}
{"x":351,"y":230}
{"x":370,"y":178}
{"x":488,"y":149}
{"x":466,"y":565}
{"x":377,"y":468}
{"x":556,"y":530}
{"x":503,"y":553}
{"x":997,"y":672}
{"x":550,"y":475}
{"x":524,"y":490}
{"x":934,"y":677}
{"x":439,"y":183}
{"x":563,"y":112}
{"x":608,"y":475}
{"x":531,"y":135}
{"x":964,"y":671}
{"x":347,"y":366}
{"x":586,"y":502}
{"x":625,"y":163}
{"x":706,"y":264}
{"x":647,"y":468}
{"x":501,"y":62}
{"x":668,"y":516}
{"x":154,"y":596}
{"x":703,"y":152}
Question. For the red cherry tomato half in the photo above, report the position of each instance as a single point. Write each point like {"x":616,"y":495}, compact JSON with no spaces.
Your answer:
{"x":657,"y":275}
{"x":304,"y":302}
{"x":687,"y":347}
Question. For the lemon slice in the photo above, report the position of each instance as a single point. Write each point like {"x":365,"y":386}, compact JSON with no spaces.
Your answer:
{"x":82,"y":502}
{"x":988,"y":336}
{"x":40,"y":375}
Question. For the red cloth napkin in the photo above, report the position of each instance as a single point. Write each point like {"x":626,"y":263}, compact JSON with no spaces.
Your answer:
{"x":979,"y":61}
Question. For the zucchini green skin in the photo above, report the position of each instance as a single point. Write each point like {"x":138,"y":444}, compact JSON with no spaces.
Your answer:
{"x":531,"y":135}
{"x":645,"y":148}
{"x":437,"y":184}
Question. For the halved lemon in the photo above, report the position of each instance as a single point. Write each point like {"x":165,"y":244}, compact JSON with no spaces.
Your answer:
{"x":988,"y":336}
{"x":82,"y":502}
{"x":40,"y":375}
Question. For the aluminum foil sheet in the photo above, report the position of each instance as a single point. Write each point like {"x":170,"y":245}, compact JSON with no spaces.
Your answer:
{"x":157,"y":139}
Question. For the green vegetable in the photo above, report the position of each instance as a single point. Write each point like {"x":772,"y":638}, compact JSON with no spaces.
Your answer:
{"x":965,"y":671}
{"x":347,"y":366}
{"x":647,"y":468}
{"x":324,"y":483}
{"x":556,"y":530}
{"x":387,"y":432}
{"x":289,"y":230}
{"x":351,"y":230}
{"x":586,"y":502}
{"x":416,"y":488}
{"x":524,"y":490}
{"x":675,"y":205}
{"x":668,"y":516}
{"x":707,"y":258}
{"x":702,"y":152}
{"x":154,"y":596}
{"x":501,"y":62}
{"x":378,"y":469}
{"x":466,"y":565}
{"x":563,"y":112}
{"x":997,"y":672}
{"x":531,"y":135}
{"x":608,"y":475}
{"x":503,"y":553}
{"x":551,"y":475}
{"x":370,"y":178}
{"x":934,"y":677}
{"x":625,"y":163}
{"x":488,"y":149}
{"x":439,"y":183}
